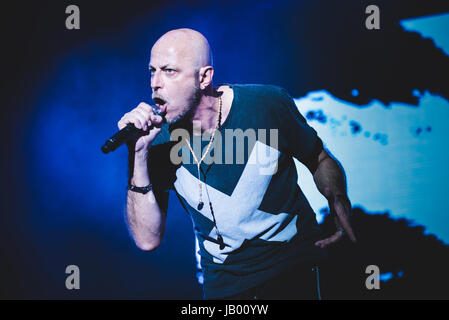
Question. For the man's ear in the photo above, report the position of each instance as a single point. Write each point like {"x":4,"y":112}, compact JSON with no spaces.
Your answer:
{"x":206,"y":74}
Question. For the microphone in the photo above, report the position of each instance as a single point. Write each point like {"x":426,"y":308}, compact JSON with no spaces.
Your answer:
{"x":130,"y":132}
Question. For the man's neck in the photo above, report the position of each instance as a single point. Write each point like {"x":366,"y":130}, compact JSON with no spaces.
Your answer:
{"x":206,"y":113}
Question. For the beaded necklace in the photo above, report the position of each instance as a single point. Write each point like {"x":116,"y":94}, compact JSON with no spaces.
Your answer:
{"x":198,"y":164}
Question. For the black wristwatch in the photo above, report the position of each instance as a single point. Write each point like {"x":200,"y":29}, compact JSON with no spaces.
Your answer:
{"x":142,"y":190}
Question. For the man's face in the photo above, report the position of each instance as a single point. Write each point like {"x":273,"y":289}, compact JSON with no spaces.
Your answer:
{"x":174,"y":80}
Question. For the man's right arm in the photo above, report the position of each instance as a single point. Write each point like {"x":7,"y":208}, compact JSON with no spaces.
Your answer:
{"x":146,"y":220}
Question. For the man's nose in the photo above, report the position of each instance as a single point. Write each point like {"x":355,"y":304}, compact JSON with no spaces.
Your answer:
{"x":156,"y":81}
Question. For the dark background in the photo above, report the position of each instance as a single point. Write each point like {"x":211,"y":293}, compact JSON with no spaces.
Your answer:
{"x":63,"y":92}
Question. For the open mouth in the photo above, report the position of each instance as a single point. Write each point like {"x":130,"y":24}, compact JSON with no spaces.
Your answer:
{"x":159,"y":109}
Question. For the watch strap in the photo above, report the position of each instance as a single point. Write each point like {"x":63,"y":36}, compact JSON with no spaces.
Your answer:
{"x":142,"y":190}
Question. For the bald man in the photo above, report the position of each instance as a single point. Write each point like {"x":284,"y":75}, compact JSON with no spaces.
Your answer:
{"x":257,"y":235}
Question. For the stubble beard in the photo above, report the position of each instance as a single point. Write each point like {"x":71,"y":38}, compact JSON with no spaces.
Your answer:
{"x":192,"y":103}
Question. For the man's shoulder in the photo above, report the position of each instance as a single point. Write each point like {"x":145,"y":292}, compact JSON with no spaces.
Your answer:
{"x":263,"y":97}
{"x":260,"y":89}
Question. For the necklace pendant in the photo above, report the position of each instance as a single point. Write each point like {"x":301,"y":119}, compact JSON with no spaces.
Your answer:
{"x":220,"y":240}
{"x":200,"y":205}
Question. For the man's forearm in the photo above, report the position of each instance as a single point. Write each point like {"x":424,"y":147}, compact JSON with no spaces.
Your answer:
{"x":145,"y":218}
{"x":330,"y":178}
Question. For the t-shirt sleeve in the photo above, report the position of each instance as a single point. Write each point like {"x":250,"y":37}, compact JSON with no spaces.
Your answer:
{"x":296,"y":137}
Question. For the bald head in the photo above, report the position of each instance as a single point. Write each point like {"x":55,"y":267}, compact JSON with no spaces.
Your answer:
{"x":187,"y":44}
{"x":181,"y":72}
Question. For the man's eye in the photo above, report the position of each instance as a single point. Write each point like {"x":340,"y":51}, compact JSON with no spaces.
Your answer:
{"x":169,"y":71}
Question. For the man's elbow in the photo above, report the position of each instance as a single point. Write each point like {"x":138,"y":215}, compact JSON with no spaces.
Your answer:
{"x":148,"y":245}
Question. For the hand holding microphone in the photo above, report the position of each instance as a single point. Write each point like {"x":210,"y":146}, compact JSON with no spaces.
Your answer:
{"x":141,"y":125}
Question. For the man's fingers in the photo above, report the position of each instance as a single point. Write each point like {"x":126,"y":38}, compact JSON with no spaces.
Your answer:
{"x":156,"y":119}
{"x":129,"y":118}
{"x":144,"y":117}
{"x":325,"y":242}
{"x":150,"y":118}
{"x":145,"y":106}
{"x":136,"y":120}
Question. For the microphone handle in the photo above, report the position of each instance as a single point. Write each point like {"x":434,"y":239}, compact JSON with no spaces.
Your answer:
{"x":129,"y":132}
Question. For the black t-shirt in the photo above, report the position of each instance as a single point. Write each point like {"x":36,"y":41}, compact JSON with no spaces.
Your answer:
{"x":266,"y":223}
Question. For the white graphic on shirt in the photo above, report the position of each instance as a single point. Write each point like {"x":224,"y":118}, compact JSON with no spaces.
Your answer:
{"x":237,"y":216}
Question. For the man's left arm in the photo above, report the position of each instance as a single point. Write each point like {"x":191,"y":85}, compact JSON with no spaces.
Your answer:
{"x":330,"y":180}
{"x":301,"y":141}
